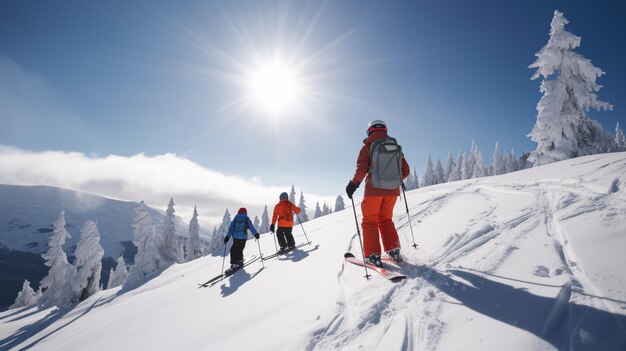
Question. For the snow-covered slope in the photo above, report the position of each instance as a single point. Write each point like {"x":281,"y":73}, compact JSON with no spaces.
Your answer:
{"x":27,"y":214}
{"x":530,"y":260}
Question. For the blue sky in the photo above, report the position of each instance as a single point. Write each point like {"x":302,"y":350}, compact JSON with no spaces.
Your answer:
{"x":122,"y":78}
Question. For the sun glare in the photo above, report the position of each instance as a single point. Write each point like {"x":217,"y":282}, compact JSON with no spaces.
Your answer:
{"x":275,"y":87}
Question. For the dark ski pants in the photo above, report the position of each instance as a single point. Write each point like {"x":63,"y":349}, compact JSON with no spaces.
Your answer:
{"x":284,"y":236}
{"x":236,"y":251}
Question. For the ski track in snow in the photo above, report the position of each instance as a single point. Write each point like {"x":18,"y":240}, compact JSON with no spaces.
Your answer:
{"x":408,"y":311}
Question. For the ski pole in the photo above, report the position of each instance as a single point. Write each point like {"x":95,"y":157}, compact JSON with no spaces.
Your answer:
{"x":367,"y":276}
{"x":223,"y":261}
{"x":260,"y":253}
{"x":408,"y":215}
{"x":307,"y":239}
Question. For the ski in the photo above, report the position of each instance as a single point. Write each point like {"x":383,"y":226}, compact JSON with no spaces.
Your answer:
{"x":227,"y":274}
{"x":268,"y":257}
{"x":393,"y":276}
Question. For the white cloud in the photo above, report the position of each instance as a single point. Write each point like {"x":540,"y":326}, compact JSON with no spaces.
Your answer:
{"x":153,"y":179}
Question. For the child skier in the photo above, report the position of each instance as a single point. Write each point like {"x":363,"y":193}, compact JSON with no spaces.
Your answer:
{"x":382,"y":188}
{"x":283,"y":211}
{"x":239,"y":231}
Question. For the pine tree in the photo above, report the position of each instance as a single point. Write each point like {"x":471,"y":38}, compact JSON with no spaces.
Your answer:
{"x":218,"y":238}
{"x":511,"y":162}
{"x":429,"y":173}
{"x":170,"y":245}
{"x":450,"y":167}
{"x":479,"y":166}
{"x":265,"y":221}
{"x":304,"y":217}
{"x":499,"y":165}
{"x":88,"y":262}
{"x":563,"y":129}
{"x":620,"y":140}
{"x":118,"y":276}
{"x":26,"y":296}
{"x":339,"y":204}
{"x":148,"y":258}
{"x":318,"y":211}
{"x":57,"y":284}
{"x":256,"y":223}
{"x":460,"y":164}
{"x":292,"y":194}
{"x":439,"y":173}
{"x":194,"y":246}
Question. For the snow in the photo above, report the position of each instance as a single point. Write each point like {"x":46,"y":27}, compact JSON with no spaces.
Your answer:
{"x":529,"y":260}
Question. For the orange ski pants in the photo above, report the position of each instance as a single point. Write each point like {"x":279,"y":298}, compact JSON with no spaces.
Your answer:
{"x":377,"y":215}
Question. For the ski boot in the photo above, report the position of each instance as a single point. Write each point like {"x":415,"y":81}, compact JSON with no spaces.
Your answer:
{"x":395,"y":255}
{"x":374,"y":259}
{"x":234,"y":267}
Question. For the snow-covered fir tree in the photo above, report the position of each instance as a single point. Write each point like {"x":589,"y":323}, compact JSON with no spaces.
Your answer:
{"x":265,"y":221}
{"x":218,"y":239}
{"x":499,"y":165}
{"x":563,"y":129}
{"x":620,"y":140}
{"x":511,"y":162}
{"x":457,"y":173}
{"x":148,"y":258}
{"x":429,"y":173}
{"x":195,"y":249}
{"x":256,"y":223}
{"x":325,"y":209}
{"x":292,"y":194}
{"x":118,"y":276}
{"x":318,"y":211}
{"x":170,"y":245}
{"x":57,"y":284}
{"x":88,"y":262}
{"x":466,"y":171}
{"x":339,"y":204}
{"x":450,"y":167}
{"x":479,"y":166}
{"x":26,"y":296}
{"x":303,"y":216}
{"x":439,"y":173}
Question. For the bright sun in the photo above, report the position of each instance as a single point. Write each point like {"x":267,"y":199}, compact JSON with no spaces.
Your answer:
{"x":275,"y":87}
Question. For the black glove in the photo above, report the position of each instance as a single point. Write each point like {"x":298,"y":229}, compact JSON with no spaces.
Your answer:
{"x":272,"y":228}
{"x":226,"y":239}
{"x":257,"y":236}
{"x":350,"y":189}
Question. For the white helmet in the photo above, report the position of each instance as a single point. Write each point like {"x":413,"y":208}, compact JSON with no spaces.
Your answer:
{"x":376,"y":125}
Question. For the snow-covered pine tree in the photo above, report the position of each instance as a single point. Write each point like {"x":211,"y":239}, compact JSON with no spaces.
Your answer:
{"x":439,"y":173}
{"x":265,"y":221}
{"x":450,"y":166}
{"x":325,"y":209}
{"x":195,"y":249}
{"x":563,"y":129}
{"x":479,"y":166}
{"x":292,"y":194}
{"x":170,"y":245}
{"x":218,"y":239}
{"x":88,"y":262}
{"x":339,"y":204}
{"x":304,"y":217}
{"x":466,"y":171}
{"x":460,"y":163}
{"x":318,"y":211}
{"x":620,"y":140}
{"x":499,"y":165}
{"x":26,"y":296}
{"x":57,"y":284}
{"x":470,"y":160}
{"x":429,"y":173}
{"x":256,"y":223}
{"x":511,"y":162}
{"x":148,"y":258}
{"x":119,"y":275}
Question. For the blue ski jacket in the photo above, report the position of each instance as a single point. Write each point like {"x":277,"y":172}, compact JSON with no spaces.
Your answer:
{"x":239,"y":227}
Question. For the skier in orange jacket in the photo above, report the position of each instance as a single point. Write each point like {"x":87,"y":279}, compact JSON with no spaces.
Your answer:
{"x":377,"y":205}
{"x":283,"y":211}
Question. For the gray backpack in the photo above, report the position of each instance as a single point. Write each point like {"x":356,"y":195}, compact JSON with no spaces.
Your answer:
{"x":386,"y":163}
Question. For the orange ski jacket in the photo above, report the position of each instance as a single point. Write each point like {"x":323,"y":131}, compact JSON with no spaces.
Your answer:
{"x":363,"y":168}
{"x":283,"y":211}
